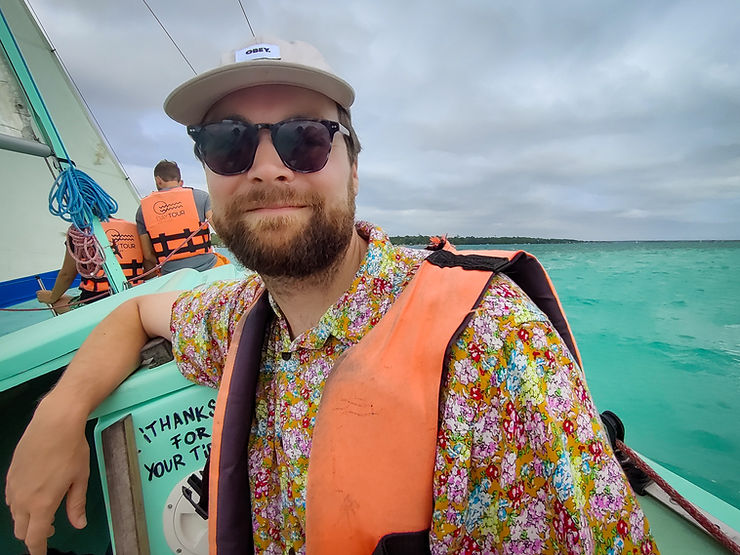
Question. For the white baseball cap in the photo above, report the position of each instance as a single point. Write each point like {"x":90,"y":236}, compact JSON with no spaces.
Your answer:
{"x":264,"y":61}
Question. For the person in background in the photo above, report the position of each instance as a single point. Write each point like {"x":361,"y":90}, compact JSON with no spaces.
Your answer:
{"x":124,"y":240}
{"x":375,"y":398}
{"x":169,"y":216}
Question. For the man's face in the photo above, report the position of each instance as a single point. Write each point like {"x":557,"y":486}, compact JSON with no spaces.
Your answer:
{"x":276,"y":221}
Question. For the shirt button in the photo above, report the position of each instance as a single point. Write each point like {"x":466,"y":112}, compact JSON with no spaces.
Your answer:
{"x":286,"y":356}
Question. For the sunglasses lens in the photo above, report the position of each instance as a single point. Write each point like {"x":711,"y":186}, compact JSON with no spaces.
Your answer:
{"x":228,"y":147}
{"x":303,"y":146}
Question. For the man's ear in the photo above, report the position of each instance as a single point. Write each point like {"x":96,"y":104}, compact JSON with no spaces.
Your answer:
{"x":180,"y":183}
{"x":355,"y":180}
{"x":158,"y":181}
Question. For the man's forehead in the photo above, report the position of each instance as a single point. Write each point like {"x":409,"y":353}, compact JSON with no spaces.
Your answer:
{"x":271,"y":102}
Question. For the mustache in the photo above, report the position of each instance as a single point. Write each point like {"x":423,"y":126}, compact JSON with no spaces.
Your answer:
{"x":258,"y":197}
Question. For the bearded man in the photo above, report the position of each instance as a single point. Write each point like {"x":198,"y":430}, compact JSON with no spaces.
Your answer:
{"x":374,"y":397}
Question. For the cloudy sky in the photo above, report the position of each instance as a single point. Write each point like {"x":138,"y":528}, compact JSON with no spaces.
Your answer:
{"x":600,"y":120}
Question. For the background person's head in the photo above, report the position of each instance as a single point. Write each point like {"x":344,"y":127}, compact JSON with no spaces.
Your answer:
{"x":167,"y":175}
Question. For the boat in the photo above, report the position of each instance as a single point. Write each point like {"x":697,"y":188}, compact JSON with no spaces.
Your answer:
{"x":149,"y":439}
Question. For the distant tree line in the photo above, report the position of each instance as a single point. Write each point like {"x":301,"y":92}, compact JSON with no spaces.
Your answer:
{"x":455,"y":240}
{"x":469,"y":240}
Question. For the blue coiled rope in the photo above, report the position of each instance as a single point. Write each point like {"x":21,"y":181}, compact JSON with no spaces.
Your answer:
{"x":76,"y":197}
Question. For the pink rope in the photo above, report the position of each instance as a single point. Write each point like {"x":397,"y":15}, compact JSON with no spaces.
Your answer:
{"x":84,"y":247}
{"x":708,"y":525}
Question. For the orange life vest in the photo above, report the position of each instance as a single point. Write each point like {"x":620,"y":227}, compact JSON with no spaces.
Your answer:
{"x":170,"y":217}
{"x":369,"y":484}
{"x":124,"y":240}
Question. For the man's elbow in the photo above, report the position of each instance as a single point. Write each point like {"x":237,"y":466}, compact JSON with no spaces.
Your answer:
{"x":155,"y":311}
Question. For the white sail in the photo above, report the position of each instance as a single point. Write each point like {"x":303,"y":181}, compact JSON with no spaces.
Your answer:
{"x":33,"y":239}
{"x":15,"y":119}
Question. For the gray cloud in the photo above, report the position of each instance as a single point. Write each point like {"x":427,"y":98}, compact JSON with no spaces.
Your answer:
{"x":606,"y":120}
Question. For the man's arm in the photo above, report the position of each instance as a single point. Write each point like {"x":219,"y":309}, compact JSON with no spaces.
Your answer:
{"x":150,"y":259}
{"x":52,"y":458}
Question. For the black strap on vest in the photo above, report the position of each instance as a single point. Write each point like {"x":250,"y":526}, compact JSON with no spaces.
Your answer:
{"x":404,"y":543}
{"x":235,"y":513}
{"x":448,"y":259}
{"x":134,"y":266}
{"x":160,"y":242}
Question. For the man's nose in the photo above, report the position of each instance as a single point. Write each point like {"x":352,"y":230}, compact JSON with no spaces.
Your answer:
{"x":267,"y":165}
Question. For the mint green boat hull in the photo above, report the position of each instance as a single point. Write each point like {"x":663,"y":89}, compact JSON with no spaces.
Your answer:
{"x":32,"y":358}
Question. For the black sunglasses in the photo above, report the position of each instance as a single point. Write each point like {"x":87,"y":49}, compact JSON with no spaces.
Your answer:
{"x":228,"y":147}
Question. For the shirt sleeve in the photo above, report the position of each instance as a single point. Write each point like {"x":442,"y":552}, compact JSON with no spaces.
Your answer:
{"x":203,"y":202}
{"x":140,"y":226}
{"x":522,"y":459}
{"x":202,"y":324}
{"x":206,"y":202}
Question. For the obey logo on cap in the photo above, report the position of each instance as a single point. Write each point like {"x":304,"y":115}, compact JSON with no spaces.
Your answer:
{"x":263,"y":51}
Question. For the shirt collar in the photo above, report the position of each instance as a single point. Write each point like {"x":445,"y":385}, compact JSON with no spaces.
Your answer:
{"x":358,"y":309}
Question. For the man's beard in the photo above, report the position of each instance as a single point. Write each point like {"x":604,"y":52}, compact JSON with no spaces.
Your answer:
{"x":279,"y":247}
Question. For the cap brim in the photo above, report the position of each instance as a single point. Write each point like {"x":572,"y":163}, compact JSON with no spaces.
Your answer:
{"x":189,"y":103}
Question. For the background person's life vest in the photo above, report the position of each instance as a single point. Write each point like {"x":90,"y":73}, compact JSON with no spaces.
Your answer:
{"x":375,"y":435}
{"x":170,"y":217}
{"x":124,"y":240}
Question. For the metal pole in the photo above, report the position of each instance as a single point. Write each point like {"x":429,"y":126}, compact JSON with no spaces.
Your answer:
{"x":43,"y":288}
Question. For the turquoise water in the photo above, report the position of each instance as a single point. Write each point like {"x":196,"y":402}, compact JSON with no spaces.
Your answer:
{"x":658,"y":327}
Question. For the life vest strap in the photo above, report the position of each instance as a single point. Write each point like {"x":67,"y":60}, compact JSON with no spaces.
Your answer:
{"x":233,"y":509}
{"x":134,"y":265}
{"x":94,"y":284}
{"x":161,"y":246}
{"x":404,"y":543}
{"x":450,"y":259}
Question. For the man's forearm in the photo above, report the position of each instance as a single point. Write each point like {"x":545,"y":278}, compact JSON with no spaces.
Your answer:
{"x":63,"y":282}
{"x":65,"y":277}
{"x":106,"y":358}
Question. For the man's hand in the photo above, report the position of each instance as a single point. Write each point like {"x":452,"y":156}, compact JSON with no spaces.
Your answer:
{"x":52,"y":460}
{"x":44,"y":296}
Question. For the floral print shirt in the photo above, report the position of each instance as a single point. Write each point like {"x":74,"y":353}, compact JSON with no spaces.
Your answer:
{"x":522,"y":462}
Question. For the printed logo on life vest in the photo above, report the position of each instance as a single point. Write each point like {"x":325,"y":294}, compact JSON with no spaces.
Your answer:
{"x":120,"y":241}
{"x":168,"y":210}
